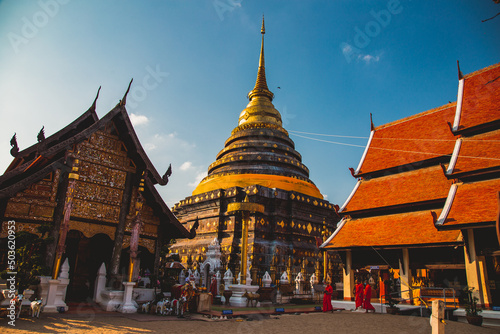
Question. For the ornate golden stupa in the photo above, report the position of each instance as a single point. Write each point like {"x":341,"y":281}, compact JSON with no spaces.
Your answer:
{"x":259,"y":161}
{"x":259,"y":151}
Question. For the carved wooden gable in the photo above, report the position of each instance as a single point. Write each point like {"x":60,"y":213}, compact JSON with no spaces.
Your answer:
{"x":38,"y":201}
{"x":103,"y":169}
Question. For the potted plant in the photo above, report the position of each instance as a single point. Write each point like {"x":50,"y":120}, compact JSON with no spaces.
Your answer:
{"x":471,"y":309}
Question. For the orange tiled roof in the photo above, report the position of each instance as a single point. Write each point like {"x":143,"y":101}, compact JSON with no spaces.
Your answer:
{"x":474,"y":203}
{"x":412,"y":139}
{"x":410,"y":187}
{"x":404,"y":229}
{"x":481,"y":102}
{"x":479,"y":152}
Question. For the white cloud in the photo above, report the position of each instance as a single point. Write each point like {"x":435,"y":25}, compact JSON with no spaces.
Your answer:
{"x":198,"y":179}
{"x":138,"y":119}
{"x":186,"y":165}
{"x":346,"y":49}
{"x":354,"y":54}
{"x":369,"y":58}
{"x":150,"y":146}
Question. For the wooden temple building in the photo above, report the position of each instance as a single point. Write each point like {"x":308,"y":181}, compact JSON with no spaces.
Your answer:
{"x":92,"y":183}
{"x":426,"y":202}
{"x":259,"y":160}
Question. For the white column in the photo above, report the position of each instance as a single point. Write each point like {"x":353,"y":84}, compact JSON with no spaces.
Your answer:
{"x":266,"y":280}
{"x":299,"y":284}
{"x":228,"y":279}
{"x":128,"y":306}
{"x":100,"y":283}
{"x":50,"y":306}
{"x":218,"y":278}
{"x":313,"y":280}
{"x":348,"y":277}
{"x":472,"y":268}
{"x":57,"y":291}
{"x":481,"y":261}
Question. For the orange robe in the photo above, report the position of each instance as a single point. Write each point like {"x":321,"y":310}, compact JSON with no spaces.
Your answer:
{"x":327,"y":299}
{"x":359,"y":295}
{"x":213,"y":289}
{"x":367,"y":305}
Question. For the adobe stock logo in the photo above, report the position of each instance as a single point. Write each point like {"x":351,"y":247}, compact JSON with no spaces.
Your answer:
{"x":30,"y":28}
{"x":149,"y":82}
{"x":225,"y":6}
{"x":372,"y":29}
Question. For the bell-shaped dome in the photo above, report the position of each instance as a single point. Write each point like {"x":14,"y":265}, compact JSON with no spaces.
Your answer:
{"x":259,"y":150}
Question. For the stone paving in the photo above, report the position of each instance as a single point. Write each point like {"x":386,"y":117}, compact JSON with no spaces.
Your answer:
{"x":86,"y":319}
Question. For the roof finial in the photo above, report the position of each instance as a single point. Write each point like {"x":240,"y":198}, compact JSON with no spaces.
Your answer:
{"x":15,"y":149}
{"x":460,"y":74}
{"x":95,"y":100}
{"x":124,"y":100}
{"x":261,"y":88}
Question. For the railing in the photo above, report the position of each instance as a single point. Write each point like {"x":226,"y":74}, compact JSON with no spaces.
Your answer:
{"x":425,"y":293}
{"x":439,"y":293}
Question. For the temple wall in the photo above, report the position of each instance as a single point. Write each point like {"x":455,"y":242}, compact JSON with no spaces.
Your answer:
{"x":288,"y":227}
{"x":37,"y":202}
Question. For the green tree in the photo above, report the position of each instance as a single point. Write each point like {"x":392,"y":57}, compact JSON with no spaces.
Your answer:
{"x":30,"y":257}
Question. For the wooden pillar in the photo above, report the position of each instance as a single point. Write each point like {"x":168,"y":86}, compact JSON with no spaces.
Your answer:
{"x":437,"y":317}
{"x":158,"y":246}
{"x":471,"y":267}
{"x":325,"y":265}
{"x":64,"y":228}
{"x":405,"y":276}
{"x":244,"y":246}
{"x":348,"y":277}
{"x":120,"y":228}
{"x":481,"y":262}
{"x":62,"y":188}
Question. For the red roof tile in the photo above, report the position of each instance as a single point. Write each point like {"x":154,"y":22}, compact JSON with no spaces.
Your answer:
{"x":404,"y":229}
{"x":474,"y":203}
{"x":412,"y":139}
{"x":410,"y":187}
{"x":481,"y":102}
{"x":479,"y":152}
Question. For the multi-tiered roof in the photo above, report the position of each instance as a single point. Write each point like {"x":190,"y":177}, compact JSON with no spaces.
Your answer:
{"x":442,"y":163}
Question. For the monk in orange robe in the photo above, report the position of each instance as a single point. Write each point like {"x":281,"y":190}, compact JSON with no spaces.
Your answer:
{"x":327,"y":298}
{"x":213,"y":288}
{"x":367,"y":305}
{"x":359,"y":294}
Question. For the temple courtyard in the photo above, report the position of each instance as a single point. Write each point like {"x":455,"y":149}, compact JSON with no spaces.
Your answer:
{"x":89,"y":320}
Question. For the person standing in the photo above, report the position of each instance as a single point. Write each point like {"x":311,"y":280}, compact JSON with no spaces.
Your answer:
{"x":327,"y":298}
{"x":367,"y":305}
{"x":359,"y":289}
{"x":359,"y":295}
{"x":213,"y":288}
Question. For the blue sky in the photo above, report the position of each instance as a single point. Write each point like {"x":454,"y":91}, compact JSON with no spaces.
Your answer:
{"x":193,"y":62}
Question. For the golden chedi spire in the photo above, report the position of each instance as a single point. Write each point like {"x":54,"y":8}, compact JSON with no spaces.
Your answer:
{"x":261,"y":88}
{"x":259,"y":150}
{"x":260,"y":108}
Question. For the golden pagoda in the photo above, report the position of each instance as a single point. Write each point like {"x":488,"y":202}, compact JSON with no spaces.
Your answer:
{"x":259,"y":150}
{"x":258,"y":160}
